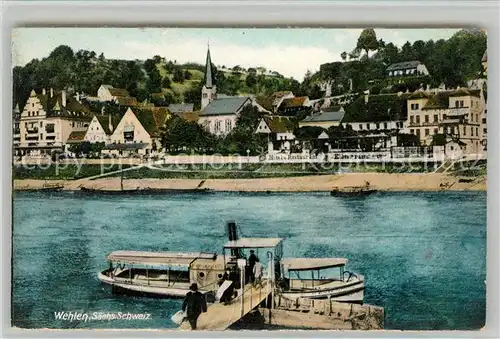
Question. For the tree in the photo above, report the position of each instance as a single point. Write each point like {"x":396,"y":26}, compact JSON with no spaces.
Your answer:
{"x":166,"y":83}
{"x":178,"y":75}
{"x":251,"y":80}
{"x":187,"y":75}
{"x":343,"y":55}
{"x":367,"y":40}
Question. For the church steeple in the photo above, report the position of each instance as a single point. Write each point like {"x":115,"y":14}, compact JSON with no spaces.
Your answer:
{"x":208,"y":70}
{"x":209,"y":90}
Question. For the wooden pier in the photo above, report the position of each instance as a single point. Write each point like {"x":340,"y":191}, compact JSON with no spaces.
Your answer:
{"x":220,"y":316}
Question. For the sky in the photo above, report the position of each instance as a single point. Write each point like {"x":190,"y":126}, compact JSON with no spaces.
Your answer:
{"x":291,"y":52}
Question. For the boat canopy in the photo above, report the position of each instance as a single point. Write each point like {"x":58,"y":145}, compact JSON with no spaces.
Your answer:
{"x":254,"y":243}
{"x":159,"y":258}
{"x":307,"y":264}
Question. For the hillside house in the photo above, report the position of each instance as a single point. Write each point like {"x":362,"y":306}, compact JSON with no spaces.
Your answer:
{"x":294,"y":106}
{"x":180,"y":108}
{"x":326,"y":118}
{"x":107,"y":93}
{"x":484,"y":62}
{"x":48,"y":120}
{"x":407,"y":68}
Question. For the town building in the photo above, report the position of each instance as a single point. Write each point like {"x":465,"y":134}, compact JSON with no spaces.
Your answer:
{"x":484,"y":62}
{"x":48,"y":120}
{"x":219,"y":113}
{"x":407,"y":68}
{"x":274,"y":101}
{"x":280,"y":132}
{"x":458,"y":113}
{"x":100,"y":128}
{"x":16,"y":132}
{"x":180,"y":108}
{"x":119,"y":96}
{"x":326,"y":118}
{"x":220,"y":116}
{"x":137,"y":133}
{"x":294,"y":106}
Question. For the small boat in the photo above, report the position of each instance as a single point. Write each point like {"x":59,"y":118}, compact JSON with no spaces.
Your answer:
{"x":299,"y":280}
{"x":353,"y":191}
{"x":52,"y":187}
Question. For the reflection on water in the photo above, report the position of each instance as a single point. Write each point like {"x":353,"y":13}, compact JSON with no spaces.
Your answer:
{"x":422,"y":254}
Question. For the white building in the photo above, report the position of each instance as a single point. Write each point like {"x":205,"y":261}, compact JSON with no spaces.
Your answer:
{"x":407,"y":68}
{"x":47,"y":121}
{"x":280,"y":131}
{"x":107,"y":93}
{"x":137,"y":133}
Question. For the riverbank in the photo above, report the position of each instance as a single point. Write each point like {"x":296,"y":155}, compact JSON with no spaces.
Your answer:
{"x":380,"y":181}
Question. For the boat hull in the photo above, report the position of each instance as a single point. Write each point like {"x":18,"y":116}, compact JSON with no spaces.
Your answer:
{"x":135,"y":289}
{"x":145,"y":191}
{"x":352,"y":293}
{"x":338,"y":193}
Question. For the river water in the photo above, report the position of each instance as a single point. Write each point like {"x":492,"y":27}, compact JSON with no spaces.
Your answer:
{"x":423,"y":254}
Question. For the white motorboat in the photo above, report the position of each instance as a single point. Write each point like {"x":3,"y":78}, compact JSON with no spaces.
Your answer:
{"x":310,"y":278}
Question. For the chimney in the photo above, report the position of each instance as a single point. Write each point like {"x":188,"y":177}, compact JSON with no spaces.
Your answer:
{"x":63,"y":98}
{"x":51,"y":92}
{"x":110,"y":124}
{"x":44,"y":92}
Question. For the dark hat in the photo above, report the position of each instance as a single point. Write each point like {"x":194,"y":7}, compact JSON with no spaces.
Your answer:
{"x":252,"y":251}
{"x":193,"y":287}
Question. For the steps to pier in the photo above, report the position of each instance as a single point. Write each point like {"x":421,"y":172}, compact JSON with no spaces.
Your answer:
{"x":219,"y":316}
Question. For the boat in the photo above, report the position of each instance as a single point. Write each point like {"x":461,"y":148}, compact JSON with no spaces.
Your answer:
{"x":143,"y":191}
{"x":353,"y":191}
{"x":52,"y":187}
{"x":299,"y":280}
{"x":169,"y":274}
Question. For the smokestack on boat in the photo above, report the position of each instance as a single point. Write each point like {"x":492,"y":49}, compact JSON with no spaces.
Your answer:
{"x":231,"y":231}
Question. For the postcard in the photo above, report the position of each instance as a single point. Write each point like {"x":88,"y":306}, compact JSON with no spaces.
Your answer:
{"x":249,"y":179}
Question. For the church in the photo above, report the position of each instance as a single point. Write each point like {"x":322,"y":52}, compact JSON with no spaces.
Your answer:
{"x":219,"y":112}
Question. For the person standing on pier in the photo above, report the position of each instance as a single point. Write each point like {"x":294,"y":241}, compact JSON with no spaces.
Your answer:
{"x":257,"y":273}
{"x":194,"y":304}
{"x":252,"y":259}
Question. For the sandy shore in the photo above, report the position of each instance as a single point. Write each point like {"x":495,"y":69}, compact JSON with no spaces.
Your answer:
{"x":380,"y":181}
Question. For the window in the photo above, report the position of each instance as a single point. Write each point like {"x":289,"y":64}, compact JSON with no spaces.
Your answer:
{"x":426,"y":132}
{"x":465,"y":131}
{"x":456,"y":104}
{"x":472,"y":131}
{"x":426,"y":118}
{"x":411,"y":119}
{"x":412,"y":131}
{"x":435,"y":118}
{"x":385,"y":125}
{"x":367,"y":126}
{"x":205,"y":95}
{"x":414,"y":107}
{"x":41,"y":123}
{"x":32,"y":104}
{"x":360,"y":126}
{"x":461,"y":103}
{"x":418,"y":133}
{"x":477,"y":131}
{"x":418,"y":119}
{"x":477,"y":117}
{"x":377,"y":125}
{"x":435,"y":131}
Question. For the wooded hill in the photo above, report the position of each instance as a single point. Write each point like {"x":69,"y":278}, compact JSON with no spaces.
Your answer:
{"x":452,"y":62}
